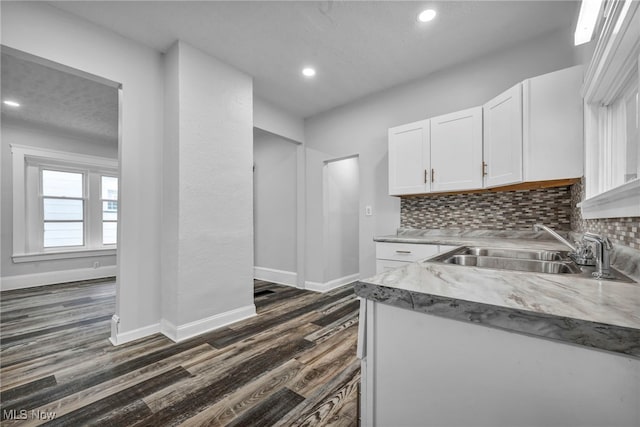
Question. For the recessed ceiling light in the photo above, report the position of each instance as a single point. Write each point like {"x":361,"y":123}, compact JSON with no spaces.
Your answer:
{"x":11,"y":103}
{"x":427,"y":15}
{"x":308,"y":72}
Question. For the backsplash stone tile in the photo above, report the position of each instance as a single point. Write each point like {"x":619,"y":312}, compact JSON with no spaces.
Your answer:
{"x":515,"y":210}
{"x":625,"y":231}
{"x":509,"y":210}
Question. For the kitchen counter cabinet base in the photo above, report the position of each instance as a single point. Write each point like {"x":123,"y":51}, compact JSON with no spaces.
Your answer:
{"x":423,"y":369}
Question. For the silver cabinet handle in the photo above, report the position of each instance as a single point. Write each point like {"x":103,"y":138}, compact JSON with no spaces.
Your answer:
{"x":403,"y":252}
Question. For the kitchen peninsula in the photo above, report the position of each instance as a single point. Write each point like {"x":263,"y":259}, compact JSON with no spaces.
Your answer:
{"x":510,"y":348}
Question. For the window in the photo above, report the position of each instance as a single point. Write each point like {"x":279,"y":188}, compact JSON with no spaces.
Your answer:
{"x":109,"y":185}
{"x":63,"y":208}
{"x":64,"y":205}
{"x":612,"y":121}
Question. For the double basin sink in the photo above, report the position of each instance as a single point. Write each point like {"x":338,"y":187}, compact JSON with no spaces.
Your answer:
{"x":533,"y":261}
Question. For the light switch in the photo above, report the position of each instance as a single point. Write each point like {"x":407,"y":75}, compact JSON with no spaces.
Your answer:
{"x":368,"y":211}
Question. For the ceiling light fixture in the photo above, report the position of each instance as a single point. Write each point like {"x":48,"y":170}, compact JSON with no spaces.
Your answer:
{"x":587,"y":19}
{"x":427,"y":15}
{"x":11,"y":103}
{"x":308,"y":72}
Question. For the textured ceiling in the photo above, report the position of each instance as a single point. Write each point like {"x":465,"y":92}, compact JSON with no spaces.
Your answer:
{"x":53,"y":98}
{"x":358,"y":47}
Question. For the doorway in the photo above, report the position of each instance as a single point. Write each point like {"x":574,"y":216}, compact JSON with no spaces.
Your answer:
{"x":341,"y":201}
{"x":275,"y":208}
{"x":60,"y":172}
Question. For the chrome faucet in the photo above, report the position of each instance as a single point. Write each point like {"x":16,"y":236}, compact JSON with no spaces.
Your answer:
{"x":538,"y":227}
{"x":603,"y":248}
{"x":580,"y":253}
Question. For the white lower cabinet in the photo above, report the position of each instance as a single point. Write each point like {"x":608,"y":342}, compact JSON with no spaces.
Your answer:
{"x":394,"y":255}
{"x":424,"y":370}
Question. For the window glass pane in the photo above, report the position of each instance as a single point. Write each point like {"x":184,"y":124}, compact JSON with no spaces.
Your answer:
{"x":63,"y":234}
{"x":632,"y":166}
{"x":109,"y":211}
{"x":63,"y":209}
{"x":109,"y":188}
{"x":109,"y":233}
{"x":61,"y":184}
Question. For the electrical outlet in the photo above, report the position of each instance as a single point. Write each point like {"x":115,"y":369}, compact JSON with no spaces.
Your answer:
{"x":368,"y":210}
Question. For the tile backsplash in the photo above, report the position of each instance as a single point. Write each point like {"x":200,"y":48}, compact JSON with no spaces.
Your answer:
{"x":509,"y":210}
{"x":625,"y":231}
{"x":515,"y":210}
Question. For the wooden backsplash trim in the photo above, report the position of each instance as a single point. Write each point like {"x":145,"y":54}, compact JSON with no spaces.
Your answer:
{"x":533,"y":185}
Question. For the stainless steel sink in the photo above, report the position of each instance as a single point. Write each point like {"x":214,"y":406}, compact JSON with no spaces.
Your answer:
{"x":501,"y":263}
{"x":541,"y":255}
{"x":527,"y":260}
{"x":534,"y":261}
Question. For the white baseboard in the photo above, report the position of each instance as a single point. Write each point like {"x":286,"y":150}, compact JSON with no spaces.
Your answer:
{"x":136,"y":334}
{"x":280,"y":277}
{"x":332,"y":284}
{"x":22,"y":281}
{"x":188,"y":330}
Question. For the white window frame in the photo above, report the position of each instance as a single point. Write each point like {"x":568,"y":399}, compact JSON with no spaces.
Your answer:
{"x":27,"y":164}
{"x":614,"y":68}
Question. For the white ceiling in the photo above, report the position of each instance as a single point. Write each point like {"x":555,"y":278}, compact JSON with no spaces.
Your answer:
{"x":358,"y":47}
{"x":53,"y":98}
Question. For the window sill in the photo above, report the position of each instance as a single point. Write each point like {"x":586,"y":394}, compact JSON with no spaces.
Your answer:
{"x":49,"y":256}
{"x":622,"y":201}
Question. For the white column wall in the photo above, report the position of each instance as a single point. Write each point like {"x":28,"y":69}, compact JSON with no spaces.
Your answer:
{"x":213,"y":158}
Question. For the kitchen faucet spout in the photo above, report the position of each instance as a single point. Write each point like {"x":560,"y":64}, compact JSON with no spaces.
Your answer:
{"x":539,"y":227}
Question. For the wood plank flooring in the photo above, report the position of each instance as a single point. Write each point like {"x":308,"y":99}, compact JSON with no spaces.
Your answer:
{"x":292,"y":365}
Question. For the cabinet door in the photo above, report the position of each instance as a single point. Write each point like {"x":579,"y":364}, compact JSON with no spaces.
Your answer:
{"x":408,"y":158}
{"x":503,"y":138}
{"x":553,"y":125}
{"x":456,"y":151}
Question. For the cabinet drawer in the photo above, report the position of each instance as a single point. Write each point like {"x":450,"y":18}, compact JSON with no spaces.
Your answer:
{"x":383,"y":265}
{"x":404,"y":251}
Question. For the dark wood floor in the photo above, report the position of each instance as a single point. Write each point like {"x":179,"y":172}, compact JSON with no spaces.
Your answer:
{"x":293,"y":364}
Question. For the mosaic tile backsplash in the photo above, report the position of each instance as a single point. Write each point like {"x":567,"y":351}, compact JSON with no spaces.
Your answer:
{"x":509,"y":210}
{"x":515,"y":210}
{"x":625,"y":231}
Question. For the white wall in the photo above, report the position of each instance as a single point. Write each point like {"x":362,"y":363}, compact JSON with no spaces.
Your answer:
{"x":212,"y":157}
{"x":45,"y":31}
{"x":22,"y":133}
{"x":275,"y":202}
{"x":361,"y":128}
{"x":342,"y":203}
{"x":270,"y":118}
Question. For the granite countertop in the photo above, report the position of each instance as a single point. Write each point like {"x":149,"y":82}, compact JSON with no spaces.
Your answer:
{"x":602,"y":314}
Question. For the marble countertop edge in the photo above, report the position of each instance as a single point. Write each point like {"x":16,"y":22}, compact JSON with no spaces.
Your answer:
{"x":594,"y":335}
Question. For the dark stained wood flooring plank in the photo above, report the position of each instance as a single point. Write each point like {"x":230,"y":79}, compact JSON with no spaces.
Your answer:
{"x":241,"y":374}
{"x":112,"y":404}
{"x":270,"y":410}
{"x":22,"y":390}
{"x":300,"y":349}
{"x":242,"y":333}
{"x":52,"y":330}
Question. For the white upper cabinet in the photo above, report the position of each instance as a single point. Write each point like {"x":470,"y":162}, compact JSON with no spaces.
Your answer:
{"x":456,"y":150}
{"x":409,"y":158}
{"x":553,"y":125}
{"x":503,"y":138}
{"x":532,"y":132}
